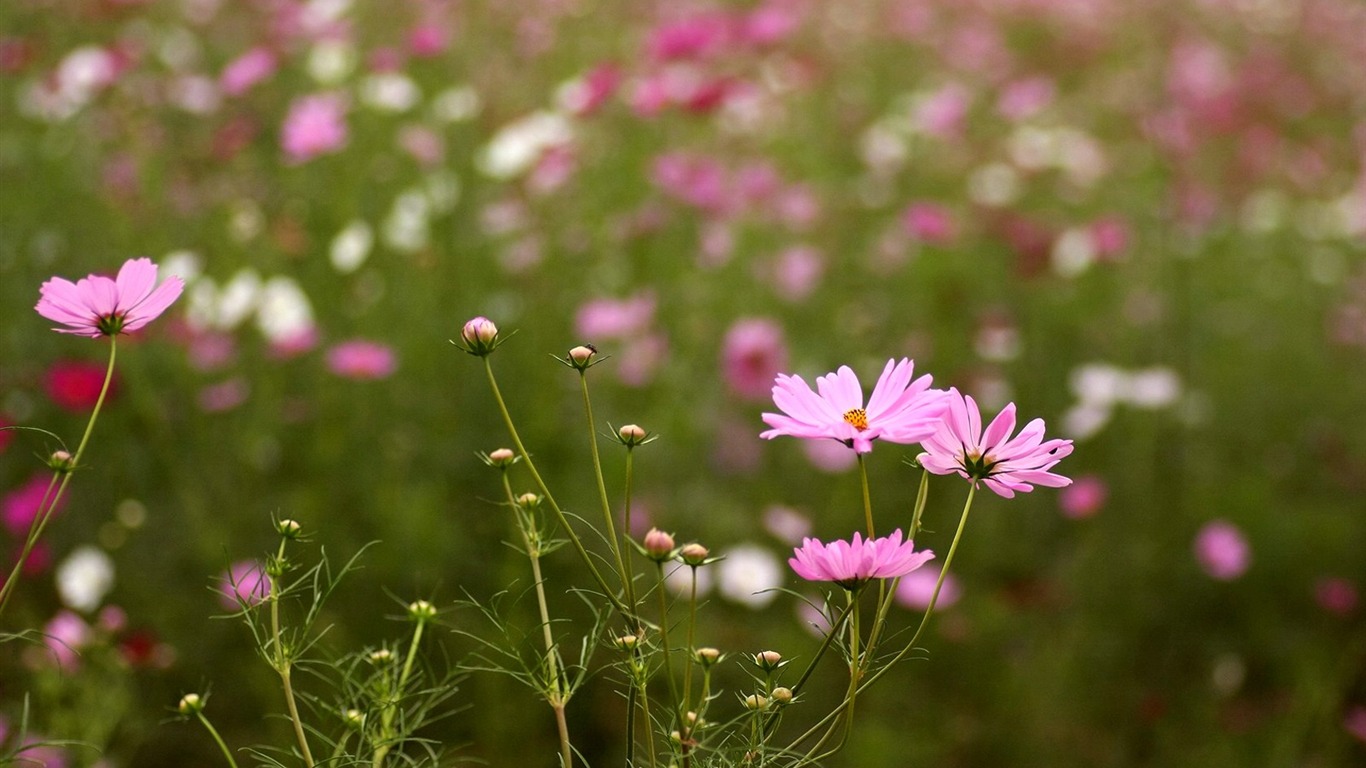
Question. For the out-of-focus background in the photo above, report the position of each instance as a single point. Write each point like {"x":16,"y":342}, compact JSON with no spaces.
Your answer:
{"x":1142,"y":222}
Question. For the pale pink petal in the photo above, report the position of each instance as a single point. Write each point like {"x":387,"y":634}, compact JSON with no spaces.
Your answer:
{"x":136,"y":279}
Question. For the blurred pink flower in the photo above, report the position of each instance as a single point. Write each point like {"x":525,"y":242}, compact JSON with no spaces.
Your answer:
{"x":361,"y":359}
{"x":211,"y":350}
{"x":697,"y":181}
{"x":1022,"y":99}
{"x":1111,"y":235}
{"x":942,"y":113}
{"x":428,"y":40}
{"x":769,"y":23}
{"x":6,"y":435}
{"x":851,"y":563}
{"x":224,"y":396}
{"x":21,"y":505}
{"x":315,"y":125}
{"x":1336,"y":595}
{"x":797,"y":272}
{"x":64,"y":636}
{"x":75,"y":384}
{"x":245,"y":583}
{"x":1005,"y":465}
{"x":929,"y":223}
{"x":1355,"y":722}
{"x":786,"y":524}
{"x":97,"y":306}
{"x":1222,"y":550}
{"x":753,"y":353}
{"x":640,"y":359}
{"x":1084,"y":497}
{"x":692,"y":37}
{"x":829,"y":456}
{"x":615,"y":318}
{"x":899,"y":410}
{"x":245,"y":71}
{"x":585,"y":95}
{"x":916,"y":589}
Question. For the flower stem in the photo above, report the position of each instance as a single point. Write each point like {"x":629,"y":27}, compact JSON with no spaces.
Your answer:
{"x":227,"y":753}
{"x":386,"y":724}
{"x":602,"y":486}
{"x":664,"y":643}
{"x":867,"y":495}
{"x":50,"y":500}
{"x":550,"y":499}
{"x":282,"y":662}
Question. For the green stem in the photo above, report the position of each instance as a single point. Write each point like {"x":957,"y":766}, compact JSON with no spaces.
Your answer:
{"x":867,"y":494}
{"x":686,"y":727}
{"x":50,"y":501}
{"x":283,"y":664}
{"x":550,"y":499}
{"x":214,"y":733}
{"x":602,"y":486}
{"x":628,"y":572}
{"x":391,"y":706}
{"x":664,"y":643}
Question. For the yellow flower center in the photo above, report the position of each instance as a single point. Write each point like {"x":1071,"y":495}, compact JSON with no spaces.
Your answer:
{"x":857,"y":418}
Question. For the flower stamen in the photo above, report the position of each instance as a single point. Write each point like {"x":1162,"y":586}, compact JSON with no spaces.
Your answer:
{"x":857,"y":418}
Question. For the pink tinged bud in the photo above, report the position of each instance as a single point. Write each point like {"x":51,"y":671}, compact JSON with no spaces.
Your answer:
{"x":61,"y":461}
{"x":480,"y":336}
{"x":707,"y":656}
{"x":782,"y":695}
{"x":658,"y":545}
{"x":631,"y":435}
{"x":768,"y":660}
{"x":581,"y":357}
{"x":694,"y":554}
{"x":502,"y":457}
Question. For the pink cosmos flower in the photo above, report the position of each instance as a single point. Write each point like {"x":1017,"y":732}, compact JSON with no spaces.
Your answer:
{"x":1004,"y":464}
{"x":1222,"y":550}
{"x":361,"y":359}
{"x":98,"y":306}
{"x":1336,"y":595}
{"x":914,"y":591}
{"x":315,"y":125}
{"x":851,"y":563}
{"x":245,"y":584}
{"x":1084,"y":498}
{"x":75,"y":384}
{"x":247,"y":70}
{"x":899,"y":411}
{"x":21,"y":505}
{"x":752,"y":354}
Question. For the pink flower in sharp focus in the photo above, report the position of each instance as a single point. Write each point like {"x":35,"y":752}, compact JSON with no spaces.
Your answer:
{"x":1222,"y":550}
{"x":315,"y":125}
{"x":899,"y":411}
{"x":22,"y":504}
{"x":851,"y":563}
{"x":247,"y":70}
{"x":97,"y":306}
{"x":753,"y":354}
{"x":244,"y":584}
{"x":916,"y":589}
{"x":361,"y":359}
{"x":1004,"y":464}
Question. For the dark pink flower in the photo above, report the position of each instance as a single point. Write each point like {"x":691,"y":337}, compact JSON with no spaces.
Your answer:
{"x":22,"y":504}
{"x":1222,"y":550}
{"x":1004,"y":464}
{"x":753,"y":353}
{"x":75,"y":384}
{"x":315,"y":125}
{"x":899,"y":410}
{"x":6,"y":435}
{"x":1336,"y":595}
{"x":361,"y":359}
{"x":245,"y":584}
{"x":97,"y":306}
{"x":1355,"y":723}
{"x":428,"y":40}
{"x":851,"y":563}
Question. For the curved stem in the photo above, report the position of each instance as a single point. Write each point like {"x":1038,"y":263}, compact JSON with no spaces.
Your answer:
{"x":50,"y":500}
{"x":602,"y":486}
{"x":214,"y":733}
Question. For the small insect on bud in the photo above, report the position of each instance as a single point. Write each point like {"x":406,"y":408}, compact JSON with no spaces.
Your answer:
{"x":381,"y":657}
{"x":354,"y":719}
{"x":581,"y":357}
{"x":755,"y":702}
{"x":694,"y":554}
{"x":191,"y":704}
{"x":501,"y":457}
{"x":61,"y":461}
{"x":480,"y":336}
{"x":782,"y":695}
{"x":421,"y":610}
{"x":707,"y":656}
{"x":658,"y":545}
{"x":768,"y":660}
{"x":290,"y":529}
{"x":626,"y":642}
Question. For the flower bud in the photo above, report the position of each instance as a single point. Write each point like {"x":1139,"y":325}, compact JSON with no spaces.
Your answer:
{"x":581,"y":357}
{"x":381,"y":656}
{"x":354,"y":719}
{"x":421,"y":610}
{"x":632,"y":435}
{"x":529,"y":500}
{"x":191,"y":704}
{"x":501,"y":458}
{"x":61,"y":461}
{"x":781,"y":695}
{"x":658,"y":545}
{"x":768,"y":660}
{"x":289,"y":529}
{"x":480,"y":336}
{"x":755,"y":702}
{"x":694,"y":554}
{"x":626,"y":642}
{"x":707,"y":656}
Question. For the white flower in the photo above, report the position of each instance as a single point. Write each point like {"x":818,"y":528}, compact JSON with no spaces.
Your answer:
{"x":748,"y":574}
{"x":84,"y":578}
{"x":351,"y":246}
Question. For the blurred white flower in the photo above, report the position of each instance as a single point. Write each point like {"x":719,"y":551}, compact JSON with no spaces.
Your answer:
{"x":1073,"y":252}
{"x":390,"y":92}
{"x":1085,"y":420}
{"x":995,"y":185}
{"x":284,"y":312}
{"x":517,"y":147}
{"x":406,"y":227}
{"x":331,"y":61}
{"x":748,"y":575}
{"x":351,"y":246}
{"x":678,"y":577}
{"x":1098,"y":383}
{"x":84,"y":578}
{"x":456,"y":104}
{"x":1153,"y":388}
{"x":185,"y":264}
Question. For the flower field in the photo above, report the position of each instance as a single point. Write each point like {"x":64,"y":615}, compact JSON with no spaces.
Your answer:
{"x":590,"y":382}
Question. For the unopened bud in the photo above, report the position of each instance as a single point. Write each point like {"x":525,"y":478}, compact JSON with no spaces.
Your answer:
{"x":626,"y":642}
{"x":61,"y":461}
{"x":421,"y":610}
{"x":755,"y":702}
{"x":707,"y":656}
{"x":480,"y":336}
{"x":502,"y":457}
{"x":768,"y":660}
{"x":782,"y":695}
{"x":290,"y":529}
{"x":581,"y":357}
{"x":529,"y":500}
{"x":632,"y":435}
{"x":693,"y":554}
{"x":381,"y":656}
{"x":190,"y":704}
{"x":354,"y":719}
{"x":659,"y":546}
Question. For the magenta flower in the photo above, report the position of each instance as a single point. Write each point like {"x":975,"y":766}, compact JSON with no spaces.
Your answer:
{"x":899,"y":411}
{"x":852,"y":563}
{"x":315,"y":125}
{"x":1004,"y":464}
{"x":1222,"y":550}
{"x":98,"y":306}
{"x":361,"y":359}
{"x":245,"y":584}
